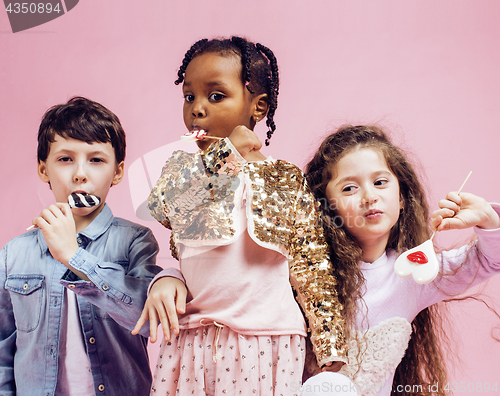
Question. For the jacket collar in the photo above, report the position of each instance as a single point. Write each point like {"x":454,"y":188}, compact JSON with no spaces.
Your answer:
{"x":93,"y":231}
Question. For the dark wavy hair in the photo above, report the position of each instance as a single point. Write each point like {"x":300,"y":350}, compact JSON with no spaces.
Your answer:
{"x":259,"y":68}
{"x":423,"y":360}
{"x":81,"y":119}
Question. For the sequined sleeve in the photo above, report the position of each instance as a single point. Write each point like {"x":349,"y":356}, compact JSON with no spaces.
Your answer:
{"x":313,"y":279}
{"x":194,"y":195}
{"x":177,"y":177}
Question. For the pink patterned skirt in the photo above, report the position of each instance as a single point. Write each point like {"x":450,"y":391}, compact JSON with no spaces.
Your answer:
{"x":215,"y":360}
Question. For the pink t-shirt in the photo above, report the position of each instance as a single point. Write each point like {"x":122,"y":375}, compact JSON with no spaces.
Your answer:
{"x":241,"y":285}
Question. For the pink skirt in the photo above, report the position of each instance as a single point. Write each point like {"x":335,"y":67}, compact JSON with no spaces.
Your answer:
{"x":215,"y":360}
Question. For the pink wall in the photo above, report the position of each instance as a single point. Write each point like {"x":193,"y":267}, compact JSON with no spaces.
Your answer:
{"x":427,"y":70}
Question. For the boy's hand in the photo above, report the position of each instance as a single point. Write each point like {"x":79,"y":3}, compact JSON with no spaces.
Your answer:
{"x":464,"y":211}
{"x":247,"y":143}
{"x":59,"y":230}
{"x":166,"y":297}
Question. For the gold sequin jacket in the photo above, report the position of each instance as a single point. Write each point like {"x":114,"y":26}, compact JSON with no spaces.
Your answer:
{"x":195,"y":198}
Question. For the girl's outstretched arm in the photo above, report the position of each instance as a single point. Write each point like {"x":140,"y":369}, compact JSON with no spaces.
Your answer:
{"x":464,"y":211}
{"x":166,"y":298}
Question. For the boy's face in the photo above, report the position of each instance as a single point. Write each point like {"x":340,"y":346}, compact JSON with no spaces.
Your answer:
{"x":75,"y":166}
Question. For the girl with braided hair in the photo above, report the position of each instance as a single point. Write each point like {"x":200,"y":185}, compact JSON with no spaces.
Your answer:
{"x":375,"y":208}
{"x":245,"y":229}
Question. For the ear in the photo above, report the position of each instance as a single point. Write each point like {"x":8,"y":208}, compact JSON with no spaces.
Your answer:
{"x":119,"y":173}
{"x":261,"y":106}
{"x":42,"y":172}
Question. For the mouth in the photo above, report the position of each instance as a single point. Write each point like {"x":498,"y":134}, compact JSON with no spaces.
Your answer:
{"x":373,"y":214}
{"x":195,"y":128}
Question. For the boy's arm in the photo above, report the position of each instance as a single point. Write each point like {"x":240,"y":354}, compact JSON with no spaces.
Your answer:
{"x":311,"y":275}
{"x":7,"y":334}
{"x":118,"y":288}
{"x":59,"y":230}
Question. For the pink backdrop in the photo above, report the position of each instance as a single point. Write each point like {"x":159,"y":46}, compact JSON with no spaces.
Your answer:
{"x":427,"y":70}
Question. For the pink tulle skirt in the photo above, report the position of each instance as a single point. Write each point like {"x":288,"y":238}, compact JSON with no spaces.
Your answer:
{"x":215,"y":360}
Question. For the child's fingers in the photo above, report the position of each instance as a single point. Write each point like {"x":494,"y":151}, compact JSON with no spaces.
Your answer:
{"x":171,"y":321}
{"x":141,"y":322}
{"x":39,"y":222}
{"x":448,"y":204}
{"x":48,"y":215}
{"x":64,"y":208}
{"x":436,"y":221}
{"x":453,"y":223}
{"x":165,"y":324}
{"x":153,"y":325}
{"x":444,"y":213}
{"x":454,"y":197}
{"x":181,"y":299}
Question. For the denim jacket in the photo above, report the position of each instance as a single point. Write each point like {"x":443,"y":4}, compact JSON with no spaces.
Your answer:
{"x":119,"y":258}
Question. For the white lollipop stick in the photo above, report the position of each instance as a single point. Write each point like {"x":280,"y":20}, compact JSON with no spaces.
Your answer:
{"x":459,"y":191}
{"x":420,"y":262}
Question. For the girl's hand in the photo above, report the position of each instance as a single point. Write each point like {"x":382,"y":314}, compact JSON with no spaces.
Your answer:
{"x":166,"y":297}
{"x":247,"y":143}
{"x":464,"y":211}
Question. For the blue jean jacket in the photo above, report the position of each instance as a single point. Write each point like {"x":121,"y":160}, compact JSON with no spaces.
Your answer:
{"x":119,"y":258}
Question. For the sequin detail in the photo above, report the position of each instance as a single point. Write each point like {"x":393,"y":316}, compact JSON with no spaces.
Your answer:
{"x":195,"y":195}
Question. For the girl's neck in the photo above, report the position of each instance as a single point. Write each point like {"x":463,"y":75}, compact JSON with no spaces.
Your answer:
{"x":373,"y":250}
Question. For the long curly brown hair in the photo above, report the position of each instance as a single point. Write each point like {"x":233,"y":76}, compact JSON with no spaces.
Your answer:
{"x":423,"y":360}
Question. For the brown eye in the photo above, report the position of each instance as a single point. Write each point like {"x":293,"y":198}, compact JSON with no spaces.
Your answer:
{"x":216,"y":97}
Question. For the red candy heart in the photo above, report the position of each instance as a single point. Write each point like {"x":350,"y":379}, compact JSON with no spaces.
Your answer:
{"x":418,"y":257}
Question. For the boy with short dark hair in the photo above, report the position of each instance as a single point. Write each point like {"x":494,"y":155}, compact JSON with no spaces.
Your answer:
{"x":73,"y":287}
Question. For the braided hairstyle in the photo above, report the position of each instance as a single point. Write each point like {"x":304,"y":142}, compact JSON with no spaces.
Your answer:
{"x":259,"y":68}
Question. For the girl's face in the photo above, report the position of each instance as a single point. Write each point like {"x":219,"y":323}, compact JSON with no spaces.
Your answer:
{"x":215,"y":98}
{"x":365,"y":194}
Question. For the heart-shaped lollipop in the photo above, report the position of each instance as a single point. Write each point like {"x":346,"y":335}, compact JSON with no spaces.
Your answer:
{"x":420,"y":262}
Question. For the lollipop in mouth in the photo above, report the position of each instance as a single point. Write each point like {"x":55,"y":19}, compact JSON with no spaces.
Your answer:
{"x":193,"y":136}
{"x":197,"y":134}
{"x":79,"y":200}
{"x":83,"y":200}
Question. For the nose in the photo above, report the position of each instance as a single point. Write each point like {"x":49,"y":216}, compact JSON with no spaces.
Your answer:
{"x":80,"y":176}
{"x":369,"y":197}
{"x":198,"y":109}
